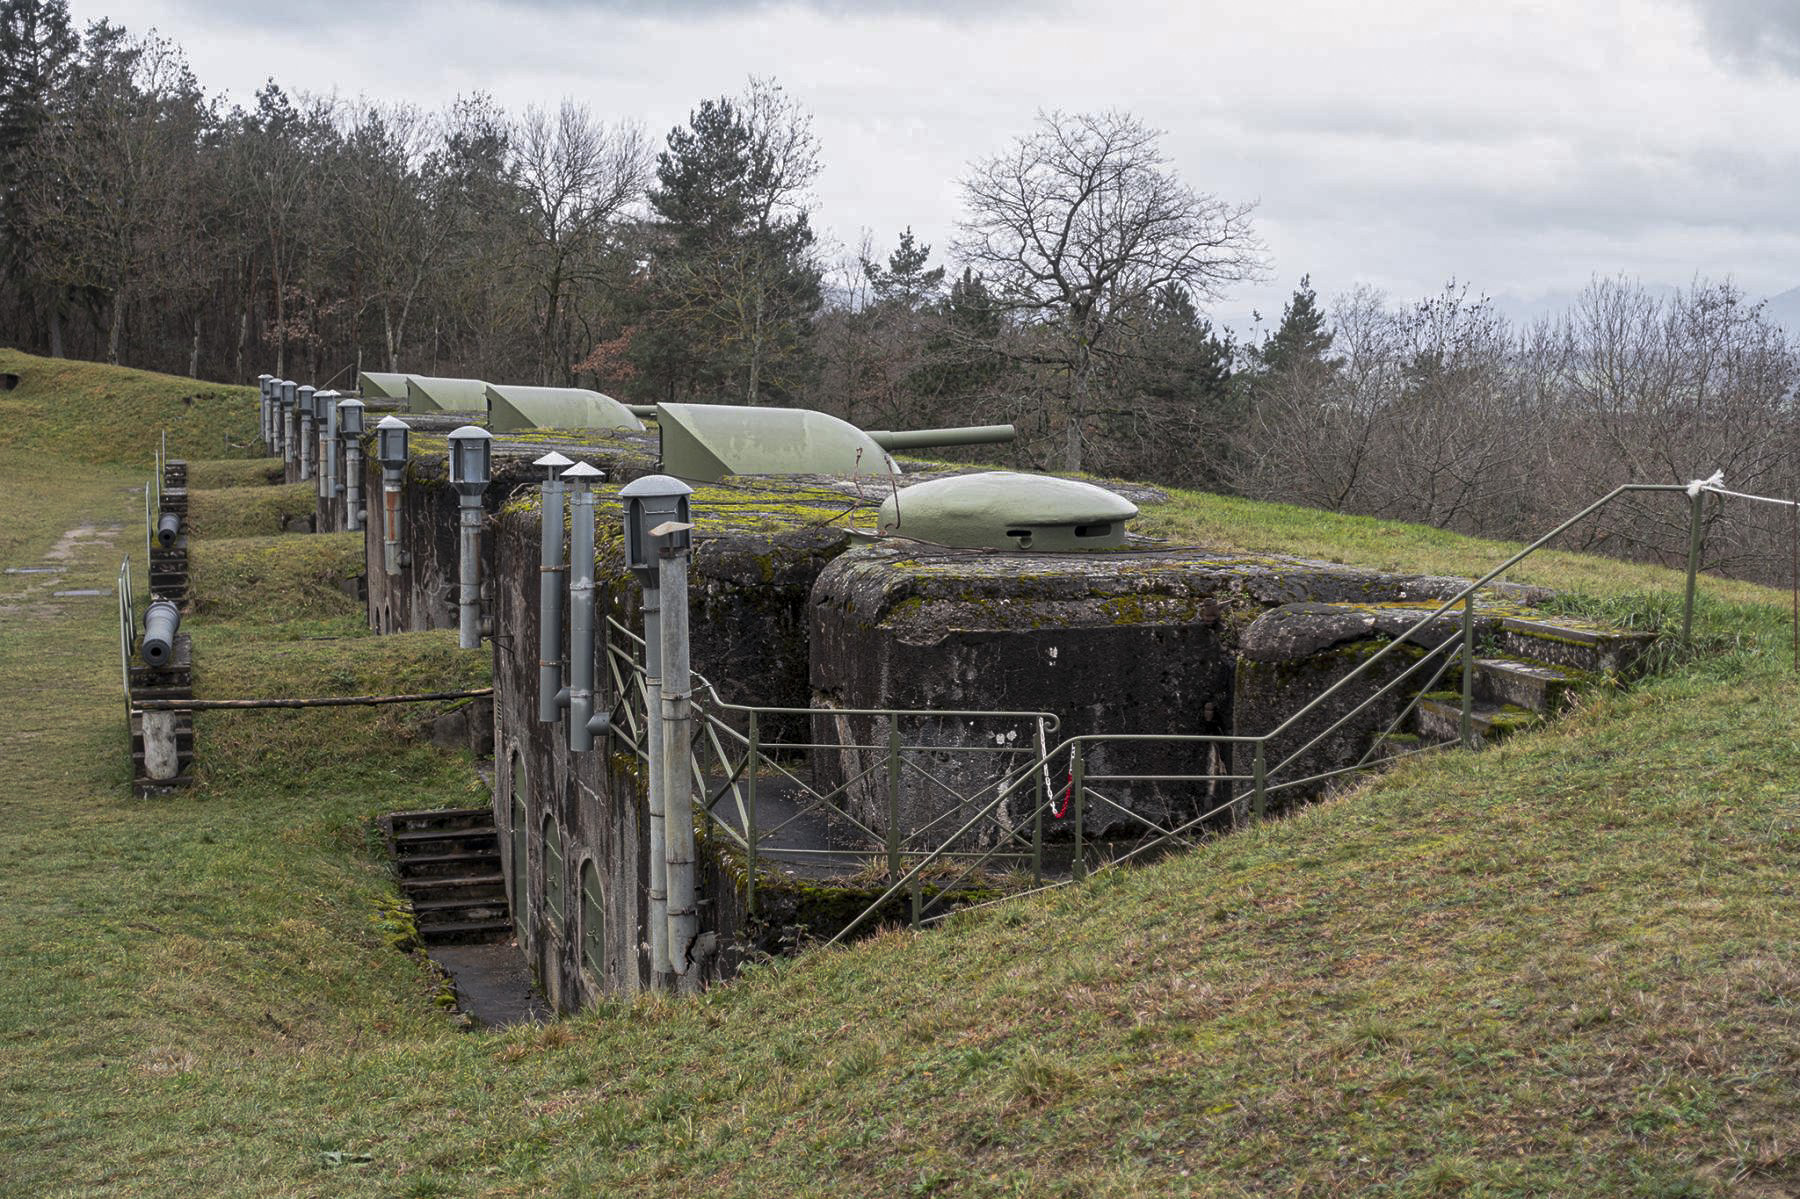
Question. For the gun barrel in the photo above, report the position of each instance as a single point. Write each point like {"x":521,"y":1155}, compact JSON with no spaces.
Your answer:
{"x":160,"y":625}
{"x":912,"y":439}
{"x":168,"y":528}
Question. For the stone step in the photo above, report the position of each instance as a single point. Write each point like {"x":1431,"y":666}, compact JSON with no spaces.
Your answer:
{"x":459,"y":818}
{"x":466,"y":932}
{"x":449,"y":865}
{"x":433,"y":913}
{"x":447,"y":840}
{"x":472,"y":886}
{"x":1574,"y":644}
{"x":1440,"y":719}
{"x":1534,"y":686}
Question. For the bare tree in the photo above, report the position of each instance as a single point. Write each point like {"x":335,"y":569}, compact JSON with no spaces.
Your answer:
{"x":578,"y":176}
{"x":1082,"y":220}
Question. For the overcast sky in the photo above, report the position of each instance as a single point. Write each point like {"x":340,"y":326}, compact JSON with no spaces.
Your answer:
{"x":1519,"y":145}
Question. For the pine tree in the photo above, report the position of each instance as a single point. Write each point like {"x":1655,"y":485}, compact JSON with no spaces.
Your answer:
{"x":1302,"y":336}
{"x":38,"y":52}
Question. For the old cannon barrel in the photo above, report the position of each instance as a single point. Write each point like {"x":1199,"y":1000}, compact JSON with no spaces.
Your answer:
{"x":912,"y":439}
{"x":168,"y":528}
{"x":161,"y":623}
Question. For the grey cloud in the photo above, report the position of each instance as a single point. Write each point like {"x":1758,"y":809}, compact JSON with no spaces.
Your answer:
{"x":341,"y":13}
{"x":1755,"y":32}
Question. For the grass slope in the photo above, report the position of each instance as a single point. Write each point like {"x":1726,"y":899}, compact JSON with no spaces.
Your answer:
{"x":1566,"y":966}
{"x":87,"y":412}
{"x":259,"y":582}
{"x":249,"y":511}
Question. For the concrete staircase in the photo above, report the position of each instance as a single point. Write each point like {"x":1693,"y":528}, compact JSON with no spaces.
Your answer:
{"x":448,"y":861}
{"x":1539,"y":665}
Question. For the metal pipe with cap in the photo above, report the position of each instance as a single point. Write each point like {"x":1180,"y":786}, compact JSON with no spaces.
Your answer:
{"x":550,"y":585}
{"x":914,"y":439}
{"x":391,"y":450}
{"x":289,"y":418}
{"x":161,"y":622}
{"x":350,"y":425}
{"x":303,"y":407}
{"x":581,"y":606}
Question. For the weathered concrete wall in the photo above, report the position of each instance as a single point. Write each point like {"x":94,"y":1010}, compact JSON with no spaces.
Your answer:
{"x":756,"y":555}
{"x":1142,"y":641}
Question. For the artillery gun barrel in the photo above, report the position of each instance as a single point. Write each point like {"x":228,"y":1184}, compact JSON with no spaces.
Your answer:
{"x":161,"y":623}
{"x":913,"y":439}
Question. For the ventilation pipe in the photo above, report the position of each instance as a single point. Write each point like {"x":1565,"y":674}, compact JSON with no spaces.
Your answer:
{"x":161,"y":622}
{"x":289,"y":418}
{"x":350,"y":423}
{"x":168,"y":528}
{"x":303,"y":406}
{"x":471,"y":450}
{"x":581,"y":606}
{"x":656,"y":551}
{"x":672,"y":539}
{"x":550,"y":585}
{"x":325,"y":415}
{"x":390,"y":450}
{"x":650,"y":502}
{"x":268,"y":433}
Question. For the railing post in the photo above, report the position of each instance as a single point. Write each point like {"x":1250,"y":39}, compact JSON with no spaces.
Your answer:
{"x":1077,"y":785}
{"x":1466,"y":723}
{"x":1259,"y":790}
{"x":755,"y":751}
{"x":1693,"y":564}
{"x":893,"y":797}
{"x":1037,"y":821}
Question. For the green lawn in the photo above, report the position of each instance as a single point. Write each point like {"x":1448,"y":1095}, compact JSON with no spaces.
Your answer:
{"x":1563,"y":967}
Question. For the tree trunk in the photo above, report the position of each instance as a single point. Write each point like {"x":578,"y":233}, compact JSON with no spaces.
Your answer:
{"x":117,"y":326}
{"x":56,"y":329}
{"x":756,"y":342}
{"x":194,"y":353}
{"x":1078,"y":395}
{"x":243,"y":339}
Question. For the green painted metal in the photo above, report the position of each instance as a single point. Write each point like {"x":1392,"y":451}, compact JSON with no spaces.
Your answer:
{"x":706,"y":442}
{"x":1009,"y":511}
{"x":1077,"y":802}
{"x":427,"y":394}
{"x":915,"y":439}
{"x":381,"y":385}
{"x":1693,"y":564}
{"x":751,"y":766}
{"x":511,"y":408}
{"x":1259,"y":783}
{"x":1466,"y":721}
{"x":893,"y":797}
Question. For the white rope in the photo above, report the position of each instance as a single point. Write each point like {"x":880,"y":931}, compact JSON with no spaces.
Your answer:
{"x":1761,"y":499}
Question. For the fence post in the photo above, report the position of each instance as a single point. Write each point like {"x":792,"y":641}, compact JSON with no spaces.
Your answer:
{"x":1259,"y":791}
{"x":1693,"y":565}
{"x":1466,"y":724}
{"x":893,"y":797}
{"x":1037,"y":821}
{"x":1077,"y":786}
{"x":750,"y":818}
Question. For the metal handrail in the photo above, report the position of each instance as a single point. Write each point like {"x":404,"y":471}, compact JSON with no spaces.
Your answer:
{"x":907,"y":866}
